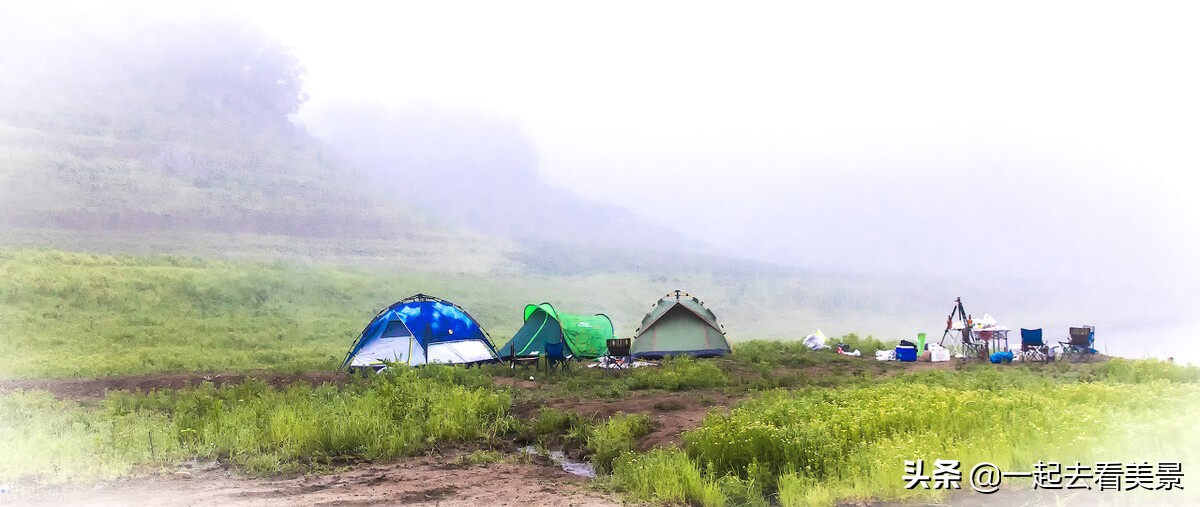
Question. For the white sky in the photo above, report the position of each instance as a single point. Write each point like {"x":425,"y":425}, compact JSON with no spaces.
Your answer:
{"x":744,"y":110}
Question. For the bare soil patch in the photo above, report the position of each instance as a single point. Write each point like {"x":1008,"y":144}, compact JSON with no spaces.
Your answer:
{"x":673,"y":413}
{"x":94,"y":388}
{"x":419,"y":481}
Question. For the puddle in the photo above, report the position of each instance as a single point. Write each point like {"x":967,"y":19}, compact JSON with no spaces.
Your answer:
{"x":580,"y":468}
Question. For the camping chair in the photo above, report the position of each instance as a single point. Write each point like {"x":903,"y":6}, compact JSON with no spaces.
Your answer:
{"x":1079,"y":348}
{"x":974,"y":349}
{"x":618,"y":348}
{"x":556,"y":356}
{"x":1032,"y":346}
{"x":523,"y":361}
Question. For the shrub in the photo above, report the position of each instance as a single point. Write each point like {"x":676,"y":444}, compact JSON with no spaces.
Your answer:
{"x":665,"y":475}
{"x":773,"y":353}
{"x":554,"y":424}
{"x":867,"y":345}
{"x":614,"y":437}
{"x":1143,"y":371}
{"x":678,"y":374}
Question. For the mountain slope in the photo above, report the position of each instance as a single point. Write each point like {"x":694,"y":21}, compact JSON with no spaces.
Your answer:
{"x":479,"y":170}
{"x":172,"y":122}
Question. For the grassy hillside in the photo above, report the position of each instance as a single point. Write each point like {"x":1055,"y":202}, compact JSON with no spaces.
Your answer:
{"x":175,"y":121}
{"x":216,"y":177}
{"x":66,"y":314}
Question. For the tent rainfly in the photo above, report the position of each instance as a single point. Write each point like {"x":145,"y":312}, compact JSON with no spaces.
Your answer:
{"x":679,"y":324}
{"x":585,"y":335}
{"x":420,"y":330}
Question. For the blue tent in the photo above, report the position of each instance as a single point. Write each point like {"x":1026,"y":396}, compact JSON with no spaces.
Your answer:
{"x":420,"y":330}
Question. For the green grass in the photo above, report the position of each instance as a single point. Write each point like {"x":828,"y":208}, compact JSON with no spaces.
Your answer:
{"x":84,"y":315}
{"x":243,"y":302}
{"x":678,"y":374}
{"x":773,"y":353}
{"x":603,"y":440}
{"x":665,"y":476}
{"x":259,"y":428}
{"x":65,"y":314}
{"x":614,"y":437}
{"x":57,"y":441}
{"x":815,"y":446}
{"x":744,"y":371}
{"x":808,"y":446}
{"x":554,"y":427}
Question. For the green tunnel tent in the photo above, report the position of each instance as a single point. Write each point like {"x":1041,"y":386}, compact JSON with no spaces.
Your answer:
{"x":586,"y":335}
{"x":679,"y":324}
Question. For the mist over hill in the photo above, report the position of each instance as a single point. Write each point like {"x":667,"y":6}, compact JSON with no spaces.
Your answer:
{"x":480,"y":170}
{"x":167,"y":122}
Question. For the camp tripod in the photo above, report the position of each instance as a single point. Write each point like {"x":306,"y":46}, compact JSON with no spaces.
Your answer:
{"x":962,"y":316}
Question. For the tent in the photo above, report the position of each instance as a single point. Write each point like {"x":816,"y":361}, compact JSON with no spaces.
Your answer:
{"x":679,"y":324}
{"x":586,"y":336}
{"x":419,"y":330}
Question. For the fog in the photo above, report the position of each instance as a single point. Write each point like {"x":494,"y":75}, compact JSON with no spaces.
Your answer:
{"x":1048,"y":144}
{"x":865,"y":136}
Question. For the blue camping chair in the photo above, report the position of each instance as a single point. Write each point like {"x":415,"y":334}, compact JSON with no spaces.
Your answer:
{"x":1033,"y":348}
{"x":1081,"y":345}
{"x":556,"y":356}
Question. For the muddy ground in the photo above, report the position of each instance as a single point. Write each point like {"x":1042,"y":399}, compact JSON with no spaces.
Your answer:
{"x":87,"y":389}
{"x":431,"y":480}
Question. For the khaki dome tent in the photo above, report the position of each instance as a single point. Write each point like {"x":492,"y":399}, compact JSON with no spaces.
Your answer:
{"x":678,"y":325}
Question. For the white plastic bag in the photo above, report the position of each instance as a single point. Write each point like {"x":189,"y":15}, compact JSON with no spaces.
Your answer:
{"x":816,"y":341}
{"x":987,"y":321}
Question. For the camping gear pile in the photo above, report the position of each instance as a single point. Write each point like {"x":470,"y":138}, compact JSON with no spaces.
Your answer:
{"x":619,"y":363}
{"x":846,"y":350}
{"x":424,"y":329}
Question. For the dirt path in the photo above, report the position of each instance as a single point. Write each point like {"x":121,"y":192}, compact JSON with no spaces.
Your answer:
{"x":94,"y":388}
{"x":672,"y":413}
{"x":442,"y":481}
{"x":85,"y":389}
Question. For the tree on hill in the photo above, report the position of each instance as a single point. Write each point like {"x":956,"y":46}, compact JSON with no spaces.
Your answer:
{"x":67,"y":64}
{"x":160,"y":119}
